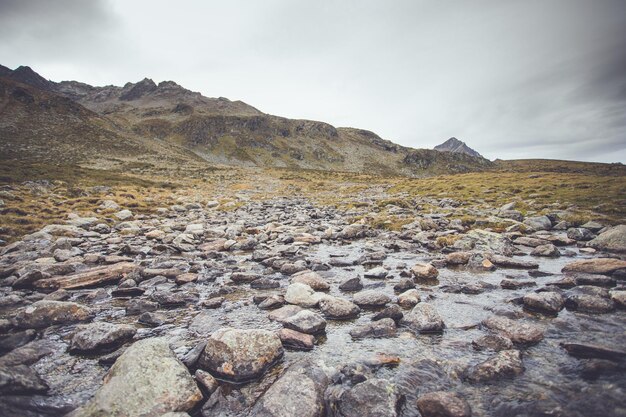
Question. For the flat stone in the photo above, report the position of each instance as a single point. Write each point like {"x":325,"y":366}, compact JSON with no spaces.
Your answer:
{"x":376,"y":273}
{"x":380,"y":328}
{"x":612,"y":240}
{"x":296,"y":340}
{"x":588,"y":303}
{"x":515,"y":284}
{"x":47,"y":313}
{"x":589,"y":350}
{"x":100,"y":337}
{"x":305,"y":321}
{"x":604,"y":266}
{"x":351,"y":285}
{"x":424,"y":318}
{"x":493,"y":342}
{"x":409,"y":299}
{"x":302,"y":295}
{"x":504,"y":363}
{"x":518,"y":332}
{"x":443,"y":404}
{"x":548,"y":250}
{"x":507,"y":262}
{"x":371,"y":298}
{"x":338,"y":308}
{"x":546,"y":302}
{"x":372,"y":398}
{"x":21,"y":380}
{"x":424,"y":271}
{"x":312,"y":279}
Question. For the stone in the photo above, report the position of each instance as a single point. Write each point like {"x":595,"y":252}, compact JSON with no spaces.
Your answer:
{"x":605,"y":266}
{"x":522,"y":333}
{"x":186,"y":278}
{"x":312,"y":279}
{"x":371,"y":299}
{"x":443,"y":404}
{"x":140,"y":306}
{"x":296,"y":340}
{"x":484,"y":241}
{"x":458,"y":258}
{"x":205,"y":379}
{"x":393,"y":312}
{"x":424,"y":271}
{"x":424,"y":318}
{"x":166,"y":298}
{"x":403,"y":285}
{"x":372,"y":398}
{"x":538,"y":223}
{"x":493,"y":342}
{"x":153,"y":319}
{"x":305,"y":321}
{"x":548,"y":250}
{"x":264,"y":283}
{"x":502,"y":364}
{"x":105,"y":274}
{"x":155,"y":234}
{"x":588,"y":303}
{"x":381,"y":328}
{"x":302,"y":295}
{"x":214,"y":302}
{"x":284,"y":312}
{"x":21,"y":380}
{"x":240,"y":355}
{"x":590,"y":350}
{"x":299,"y":391}
{"x":124,"y":215}
{"x":45,"y":313}
{"x":612,"y":240}
{"x":507,"y":262}
{"x":243,"y":277}
{"x":351,"y":285}
{"x":545,"y":302}
{"x":376,"y":273}
{"x":409,"y":299}
{"x":580,"y":234}
{"x":529,"y":241}
{"x":10,"y":341}
{"x":146,"y":380}
{"x":515,"y":284}
{"x":338,"y":308}
{"x":100,"y":337}
{"x":619,"y":298}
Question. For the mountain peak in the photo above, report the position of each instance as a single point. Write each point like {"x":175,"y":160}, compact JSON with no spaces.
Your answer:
{"x":26,"y":75}
{"x":138,"y":90}
{"x":457,"y":146}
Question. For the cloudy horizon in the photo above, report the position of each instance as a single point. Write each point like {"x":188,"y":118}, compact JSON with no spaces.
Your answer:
{"x":532,"y":79}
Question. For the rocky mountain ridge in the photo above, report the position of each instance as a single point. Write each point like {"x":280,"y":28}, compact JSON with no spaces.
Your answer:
{"x":173,"y":123}
{"x":457,"y":146}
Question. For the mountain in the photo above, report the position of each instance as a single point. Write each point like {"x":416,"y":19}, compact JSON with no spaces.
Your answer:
{"x":456,"y":146}
{"x":153,"y":123}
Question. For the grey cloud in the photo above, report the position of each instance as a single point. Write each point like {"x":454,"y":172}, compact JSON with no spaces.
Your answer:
{"x":515,"y":79}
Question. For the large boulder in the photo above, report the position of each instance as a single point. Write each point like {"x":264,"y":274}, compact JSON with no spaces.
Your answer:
{"x":546,"y":302}
{"x":338,"y":308}
{"x":538,"y":223}
{"x":604,"y":266}
{"x":485,"y":241}
{"x":305,"y":321}
{"x":146,"y":380}
{"x":371,"y":299}
{"x":423,"y":270}
{"x":298,"y":392}
{"x":302,"y":295}
{"x":312,"y":279}
{"x":240,"y":355}
{"x":45,"y":313}
{"x":613,"y":240}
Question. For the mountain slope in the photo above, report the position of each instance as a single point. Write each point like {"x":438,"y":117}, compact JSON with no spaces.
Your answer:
{"x":159,"y":122}
{"x":456,"y":146}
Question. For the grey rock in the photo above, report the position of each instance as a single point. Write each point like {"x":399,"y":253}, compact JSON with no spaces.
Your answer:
{"x":443,"y":404}
{"x":424,"y":318}
{"x":306,"y":321}
{"x":100,"y":337}
{"x":504,"y":363}
{"x":47,"y":313}
{"x":381,"y":328}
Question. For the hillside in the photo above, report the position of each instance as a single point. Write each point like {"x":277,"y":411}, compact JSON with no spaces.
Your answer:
{"x":456,"y":146}
{"x":151,"y":123}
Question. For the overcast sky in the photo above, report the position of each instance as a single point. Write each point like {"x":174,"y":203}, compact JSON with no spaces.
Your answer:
{"x":512,"y":78}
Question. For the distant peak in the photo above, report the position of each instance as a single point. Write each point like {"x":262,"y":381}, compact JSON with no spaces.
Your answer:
{"x":138,"y":90}
{"x":26,"y":75}
{"x":457,"y":146}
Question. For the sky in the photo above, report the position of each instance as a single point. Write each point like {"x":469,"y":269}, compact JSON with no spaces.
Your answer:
{"x":512,"y":78}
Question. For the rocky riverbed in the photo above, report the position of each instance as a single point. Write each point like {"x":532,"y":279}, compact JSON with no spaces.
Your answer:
{"x":284,"y":308}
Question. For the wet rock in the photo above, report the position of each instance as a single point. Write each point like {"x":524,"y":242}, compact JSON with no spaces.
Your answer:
{"x":272,"y":302}
{"x":493,"y":342}
{"x":529,"y":241}
{"x":206,"y":380}
{"x":28,"y":353}
{"x":619,"y":298}
{"x":264,"y":283}
{"x":515,"y":284}
{"x":546,"y":302}
{"x":372,"y":398}
{"x":506,"y":262}
{"x":589,"y":350}
{"x":305,"y":321}
{"x":206,"y":322}
{"x":443,"y":404}
{"x":484,"y":241}
{"x":351,"y":285}
{"x":587,"y":303}
{"x":376,"y":273}
{"x":8,"y":342}
{"x":580,"y":234}
{"x":214,"y":302}
{"x":522,"y":333}
{"x":92,"y":277}
{"x":100,"y":337}
{"x":302,"y":295}
{"x":167,"y":298}
{"x":240,"y":355}
{"x":284,"y":312}
{"x":393,"y":312}
{"x":312,"y":279}
{"x":424,"y":318}
{"x":504,"y":363}
{"x":47,"y":313}
{"x":338,"y":308}
{"x":538,"y":223}
{"x":153,"y":319}
{"x":612,"y":240}
{"x":139,"y":306}
{"x":403,"y":285}
{"x":548,"y":250}
{"x":409,"y":298}
{"x":21,"y":379}
{"x":371,"y":299}
{"x":298,"y":392}
{"x":148,"y":380}
{"x":124,"y":215}
{"x":478,"y":262}
{"x":424,"y":271}
{"x":604,"y":266}
{"x":186,"y":278}
{"x":381,"y":328}
{"x":458,"y":258}
{"x":296,"y":340}
{"x":597,"y":280}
